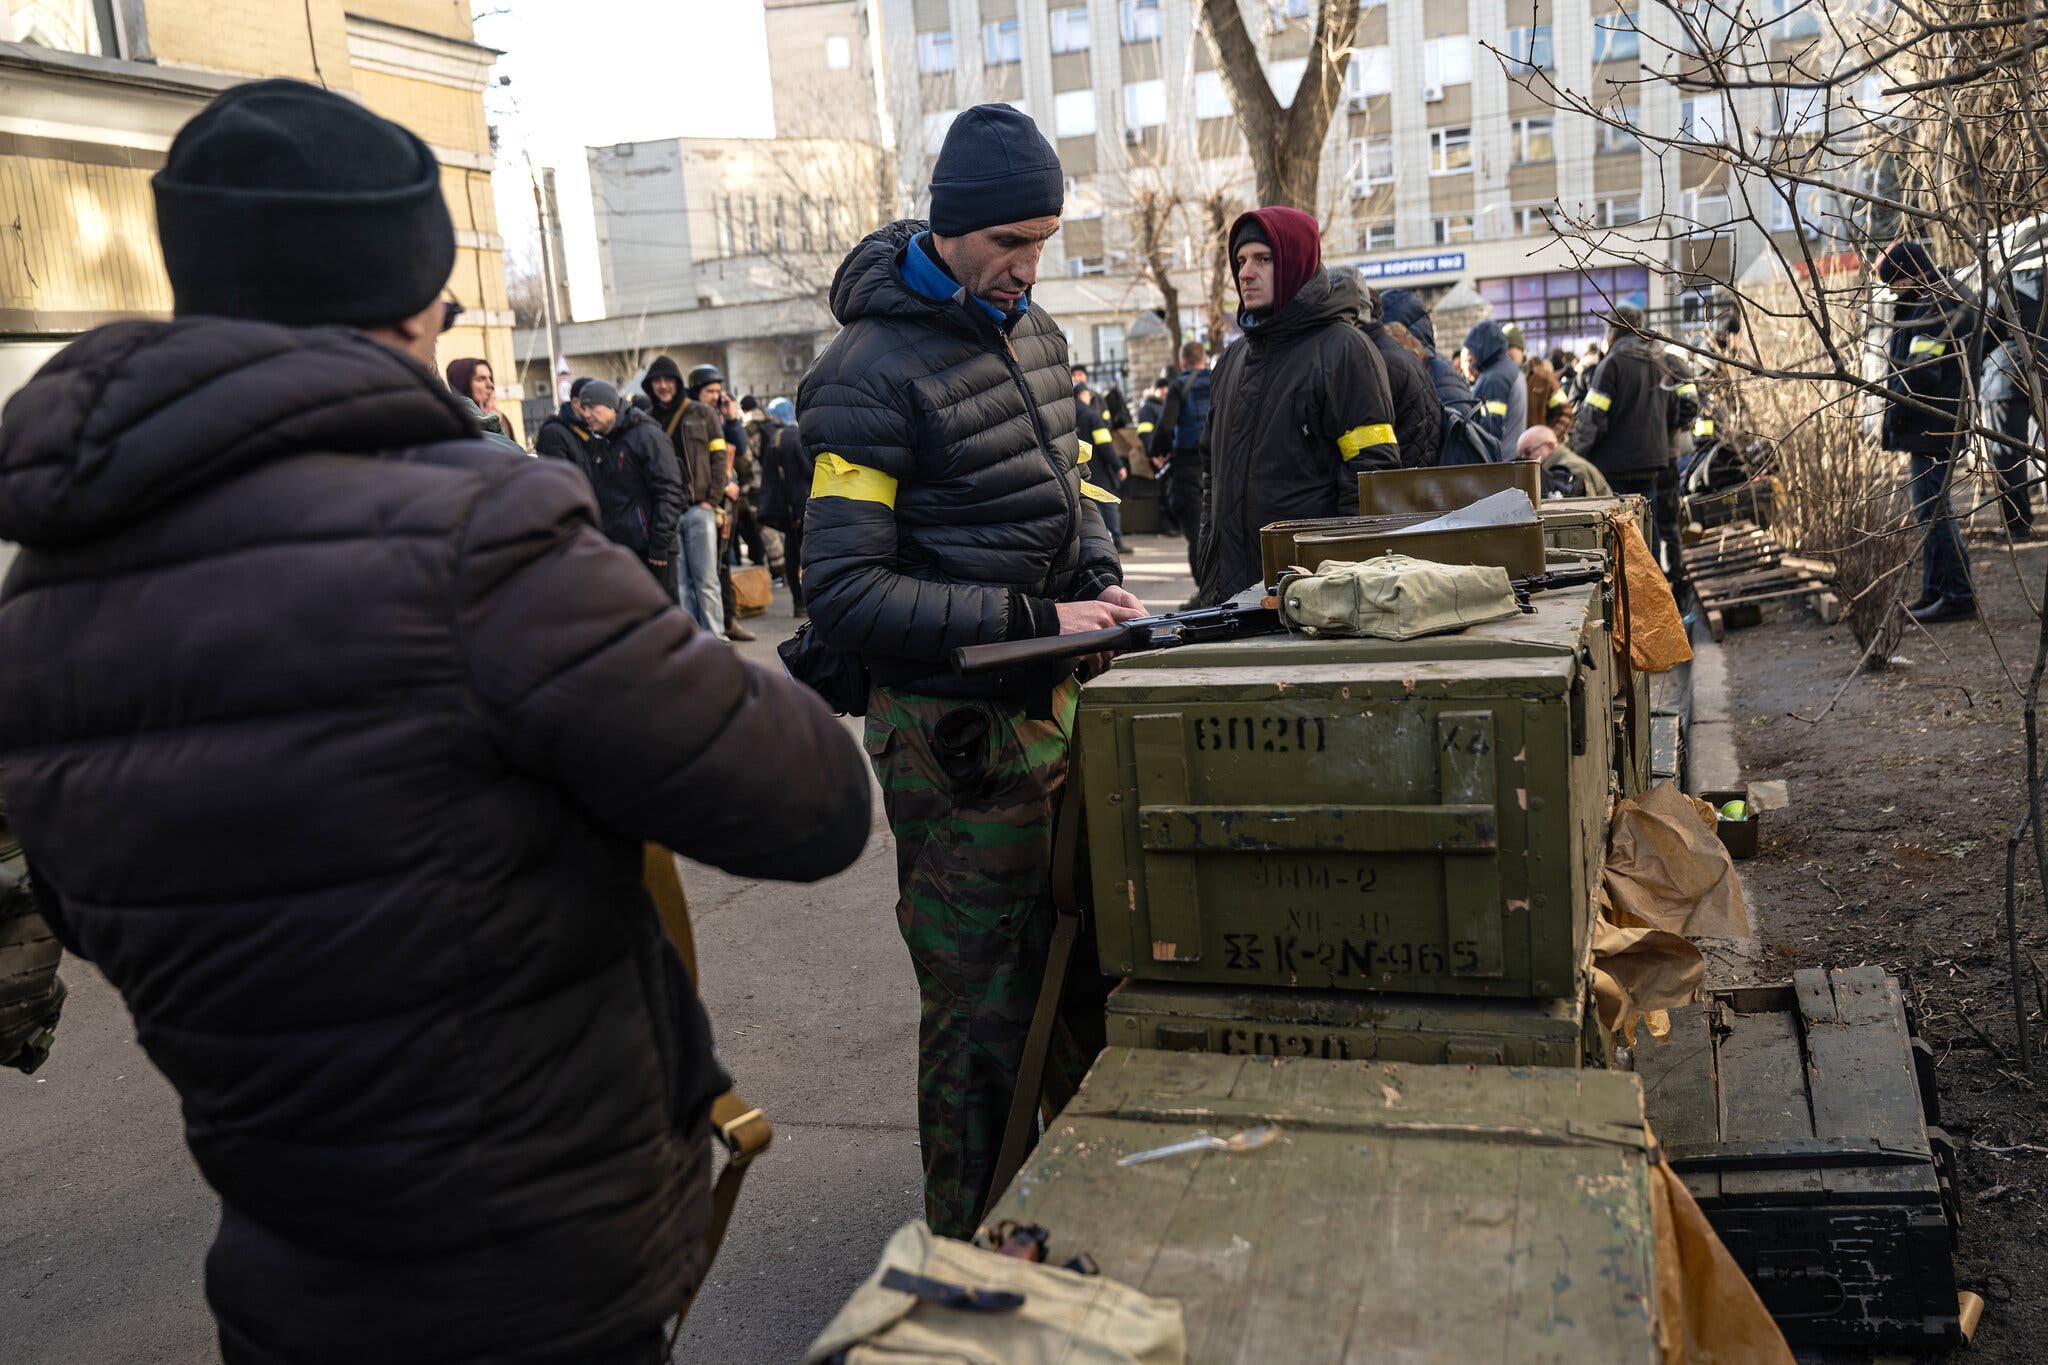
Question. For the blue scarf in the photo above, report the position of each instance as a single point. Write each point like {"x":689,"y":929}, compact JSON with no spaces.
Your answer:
{"x":923,"y":274}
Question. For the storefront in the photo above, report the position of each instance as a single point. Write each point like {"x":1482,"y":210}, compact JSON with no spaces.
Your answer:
{"x":1564,"y":309}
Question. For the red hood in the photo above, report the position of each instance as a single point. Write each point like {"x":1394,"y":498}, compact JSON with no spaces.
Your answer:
{"x":1297,"y":242}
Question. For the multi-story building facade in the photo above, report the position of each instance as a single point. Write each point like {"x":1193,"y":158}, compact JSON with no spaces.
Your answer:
{"x":92,"y":91}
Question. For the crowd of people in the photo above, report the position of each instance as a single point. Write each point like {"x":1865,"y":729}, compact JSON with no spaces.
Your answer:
{"x":382,"y":712}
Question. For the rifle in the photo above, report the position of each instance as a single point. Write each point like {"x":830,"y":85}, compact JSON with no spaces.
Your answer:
{"x":1250,"y":613}
{"x":1555,"y":579}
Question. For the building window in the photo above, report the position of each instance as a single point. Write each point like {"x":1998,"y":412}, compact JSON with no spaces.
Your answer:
{"x":724,"y":217}
{"x":1084,"y":200}
{"x":1450,"y":151}
{"x":1621,"y":135}
{"x":1144,"y":104}
{"x":1533,"y":220}
{"x":1212,"y":99}
{"x":1450,"y":229}
{"x":935,"y":126}
{"x":1109,"y":345}
{"x":1372,"y":163}
{"x":1532,"y":139}
{"x":935,"y":52}
{"x":1070,"y":29}
{"x":1529,"y":49}
{"x":1371,"y":73}
{"x":1073,"y":113}
{"x":1615,"y":38}
{"x":1619,"y":211}
{"x":1372,"y":4}
{"x":1001,"y":43}
{"x":1087,"y":265}
{"x":1792,"y":19}
{"x":1447,"y":61}
{"x":1376,"y":237}
{"x":62,"y":26}
{"x":1706,"y":209}
{"x":1141,"y":20}
{"x":838,"y":52}
{"x":1794,"y":112}
{"x":1703,"y":120}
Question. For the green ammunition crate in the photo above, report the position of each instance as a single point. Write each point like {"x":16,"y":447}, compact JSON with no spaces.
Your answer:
{"x":1581,"y":523}
{"x":1356,"y":1026}
{"x":1406,"y":1213}
{"x":1423,"y":816}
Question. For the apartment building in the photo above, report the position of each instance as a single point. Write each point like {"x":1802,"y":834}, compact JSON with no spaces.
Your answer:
{"x":1446,"y":162}
{"x":92,"y":91}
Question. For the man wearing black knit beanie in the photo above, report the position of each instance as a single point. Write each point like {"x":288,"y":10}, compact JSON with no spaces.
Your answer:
{"x":299,"y":737}
{"x":947,"y":509}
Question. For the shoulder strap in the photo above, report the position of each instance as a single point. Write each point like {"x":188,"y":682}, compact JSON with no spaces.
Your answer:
{"x":743,"y":1129}
{"x":675,"y":419}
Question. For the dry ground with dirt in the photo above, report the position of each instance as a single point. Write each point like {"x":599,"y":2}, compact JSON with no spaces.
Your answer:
{"x":1893,"y":852}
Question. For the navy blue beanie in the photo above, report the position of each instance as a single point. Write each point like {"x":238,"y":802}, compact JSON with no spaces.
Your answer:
{"x":995,"y":167}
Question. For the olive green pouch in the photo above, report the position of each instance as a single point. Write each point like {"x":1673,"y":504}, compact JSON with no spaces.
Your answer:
{"x":1394,"y":597}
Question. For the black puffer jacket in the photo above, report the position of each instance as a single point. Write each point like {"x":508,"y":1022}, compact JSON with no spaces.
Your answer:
{"x":1296,"y":410}
{"x":1624,"y":427}
{"x":962,"y":518}
{"x":336,"y":732}
{"x":1926,"y":353}
{"x":633,"y":475}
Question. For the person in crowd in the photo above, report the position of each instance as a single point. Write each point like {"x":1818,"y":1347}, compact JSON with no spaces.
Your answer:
{"x":1177,"y":441}
{"x":1497,"y":383}
{"x":1548,"y":405}
{"x":706,"y":388}
{"x":1418,"y":411}
{"x":1464,"y":441}
{"x":1100,"y":463}
{"x":1296,"y":409}
{"x":1925,"y":363}
{"x":1123,"y":435}
{"x":374,"y":903}
{"x":2006,"y":391}
{"x":1518,"y":346}
{"x":1566,"y":474}
{"x":786,"y":473}
{"x":1566,"y":369}
{"x":631,"y":470}
{"x":1151,"y":406}
{"x":1582,"y":380}
{"x":948,"y":509}
{"x":1624,"y":427}
{"x":698,"y":436}
{"x":469,"y":379}
{"x":747,"y":541}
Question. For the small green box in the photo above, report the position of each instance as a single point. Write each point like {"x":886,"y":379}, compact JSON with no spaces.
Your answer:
{"x":1353,"y":1026}
{"x":1405,"y":1213}
{"x":1423,"y":816}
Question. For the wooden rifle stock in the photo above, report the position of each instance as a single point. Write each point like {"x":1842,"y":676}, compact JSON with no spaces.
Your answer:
{"x":1049,"y":649}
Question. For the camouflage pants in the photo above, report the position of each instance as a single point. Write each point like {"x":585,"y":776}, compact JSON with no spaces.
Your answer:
{"x":970,"y":789}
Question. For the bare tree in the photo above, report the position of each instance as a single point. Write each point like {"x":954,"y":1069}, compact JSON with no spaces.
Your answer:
{"x":525,"y":289}
{"x":1219,"y":208}
{"x":1286,"y":143}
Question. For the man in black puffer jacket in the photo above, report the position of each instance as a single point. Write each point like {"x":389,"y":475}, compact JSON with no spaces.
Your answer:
{"x":347,"y":732}
{"x":1297,"y":407}
{"x":632,"y":472}
{"x":948,"y":509}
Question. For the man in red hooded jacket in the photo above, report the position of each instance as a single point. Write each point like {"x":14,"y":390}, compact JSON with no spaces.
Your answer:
{"x":1296,"y":408}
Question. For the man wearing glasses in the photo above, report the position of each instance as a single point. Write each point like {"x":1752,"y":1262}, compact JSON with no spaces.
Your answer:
{"x":333,"y":734}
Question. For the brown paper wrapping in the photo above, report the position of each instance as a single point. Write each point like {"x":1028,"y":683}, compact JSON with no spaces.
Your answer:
{"x":1647,"y":621}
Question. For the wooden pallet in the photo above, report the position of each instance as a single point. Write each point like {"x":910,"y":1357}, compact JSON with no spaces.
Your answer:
{"x":1736,"y":569}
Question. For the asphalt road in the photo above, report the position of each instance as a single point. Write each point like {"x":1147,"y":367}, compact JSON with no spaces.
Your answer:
{"x":104,"y":1221}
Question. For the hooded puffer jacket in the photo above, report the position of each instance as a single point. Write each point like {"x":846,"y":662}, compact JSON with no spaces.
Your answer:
{"x":1501,"y":388}
{"x":336,"y":732}
{"x":1296,"y":409}
{"x":947,"y":507}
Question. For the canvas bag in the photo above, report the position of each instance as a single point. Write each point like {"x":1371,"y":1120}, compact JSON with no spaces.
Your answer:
{"x":1394,"y":597}
{"x":1064,"y":1318}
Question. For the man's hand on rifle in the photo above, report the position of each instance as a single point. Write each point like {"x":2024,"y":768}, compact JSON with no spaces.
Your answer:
{"x":1114,"y":607}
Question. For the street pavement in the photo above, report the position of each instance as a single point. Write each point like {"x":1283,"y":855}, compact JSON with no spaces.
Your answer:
{"x":104,"y":1220}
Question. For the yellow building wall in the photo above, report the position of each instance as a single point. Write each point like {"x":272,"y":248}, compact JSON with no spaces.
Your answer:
{"x":87,"y":246}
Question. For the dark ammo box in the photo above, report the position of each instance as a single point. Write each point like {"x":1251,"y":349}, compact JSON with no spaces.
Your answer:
{"x":1794,"y":1114}
{"x":1406,"y":1213}
{"x":1358,"y":1026}
{"x":1385,"y":492}
{"x":1422,"y":816}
